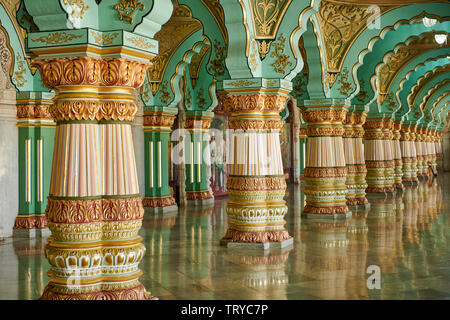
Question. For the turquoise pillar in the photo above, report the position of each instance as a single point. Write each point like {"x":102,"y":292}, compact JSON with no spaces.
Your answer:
{"x":198,"y":157}
{"x":157,"y":129}
{"x":36,"y":138}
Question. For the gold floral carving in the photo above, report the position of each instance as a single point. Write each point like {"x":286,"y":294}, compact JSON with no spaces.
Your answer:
{"x":18,"y":77}
{"x":198,"y":195}
{"x":328,"y":115}
{"x":196,"y":62}
{"x":77,"y":3}
{"x":104,"y":38}
{"x":30,"y":222}
{"x":88,"y":211}
{"x":263,"y":48}
{"x":256,"y":183}
{"x":158,"y":121}
{"x":325,"y":172}
{"x":141,"y":43}
{"x":282,"y":59}
{"x":324,"y":131}
{"x":197,"y":123}
{"x":67,"y":110}
{"x":340,"y":25}
{"x":254,"y":102}
{"x":158,"y":202}
{"x":267,"y":15}
{"x":345,"y":85}
{"x":165,"y":94}
{"x":91,"y":71}
{"x":33,"y":112}
{"x":252,"y":124}
{"x":217,"y":66}
{"x":241,"y":83}
{"x":57,"y":38}
{"x":126,"y":8}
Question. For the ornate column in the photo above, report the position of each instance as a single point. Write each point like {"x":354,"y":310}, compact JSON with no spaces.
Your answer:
{"x":198,"y":157}
{"x":157,"y":129}
{"x":94,"y":202}
{"x":303,"y":145}
{"x":421,"y":161}
{"x":438,"y":145}
{"x":398,"y":162}
{"x":389,"y":170}
{"x":325,"y":167}
{"x":36,"y":137}
{"x":378,"y":156}
{"x":354,"y":159}
{"x":409,"y":157}
{"x":256,"y":184}
{"x":431,"y":147}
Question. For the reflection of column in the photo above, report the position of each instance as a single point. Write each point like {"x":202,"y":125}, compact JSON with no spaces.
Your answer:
{"x":410,"y":234}
{"x":326,"y":258}
{"x":94,"y":208}
{"x":157,"y":128}
{"x":325,"y":171}
{"x":256,"y":183}
{"x":409,"y":156}
{"x":398,"y":162}
{"x":36,"y":137}
{"x":198,"y":158}
{"x":357,"y":251}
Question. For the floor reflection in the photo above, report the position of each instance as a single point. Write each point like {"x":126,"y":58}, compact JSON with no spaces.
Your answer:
{"x":406,"y":237}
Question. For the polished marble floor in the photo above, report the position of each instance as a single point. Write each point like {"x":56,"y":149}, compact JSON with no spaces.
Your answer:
{"x":407,"y":237}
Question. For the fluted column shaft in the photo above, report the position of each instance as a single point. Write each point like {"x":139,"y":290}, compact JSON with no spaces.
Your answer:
{"x":256,"y":183}
{"x":325,"y":169}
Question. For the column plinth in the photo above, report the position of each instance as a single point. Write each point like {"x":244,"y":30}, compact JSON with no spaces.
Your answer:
{"x":157,"y":129}
{"x":325,"y":168}
{"x":256,"y":183}
{"x":94,"y":209}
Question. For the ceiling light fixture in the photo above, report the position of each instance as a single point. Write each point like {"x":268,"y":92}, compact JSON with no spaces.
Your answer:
{"x":428,"y":22}
{"x":440,"y":38}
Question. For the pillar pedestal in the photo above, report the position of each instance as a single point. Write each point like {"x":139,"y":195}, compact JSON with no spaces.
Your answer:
{"x":256,"y":184}
{"x":325,"y":168}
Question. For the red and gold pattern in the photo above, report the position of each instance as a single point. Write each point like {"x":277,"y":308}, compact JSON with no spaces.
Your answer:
{"x":198,"y":195}
{"x":33,"y":112}
{"x":91,"y":71}
{"x":256,"y":236}
{"x":253,"y":124}
{"x":236,"y":103}
{"x":256,"y":183}
{"x":158,"y":201}
{"x":158,"y":120}
{"x":328,"y":115}
{"x":198,"y":123}
{"x":30,"y":222}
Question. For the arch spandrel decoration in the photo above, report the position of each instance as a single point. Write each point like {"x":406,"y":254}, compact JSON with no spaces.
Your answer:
{"x":369,"y":36}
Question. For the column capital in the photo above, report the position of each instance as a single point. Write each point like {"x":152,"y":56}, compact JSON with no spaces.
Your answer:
{"x":160,"y":118}
{"x":34,"y":106}
{"x":198,"y":120}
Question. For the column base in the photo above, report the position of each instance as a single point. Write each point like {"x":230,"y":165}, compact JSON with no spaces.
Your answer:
{"x":156,"y":202}
{"x":284,"y":245}
{"x":52,"y":292}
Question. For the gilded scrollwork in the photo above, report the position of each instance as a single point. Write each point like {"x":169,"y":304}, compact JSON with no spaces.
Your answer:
{"x":57,"y":38}
{"x":18,"y":77}
{"x":126,"y":8}
{"x":282,"y":61}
